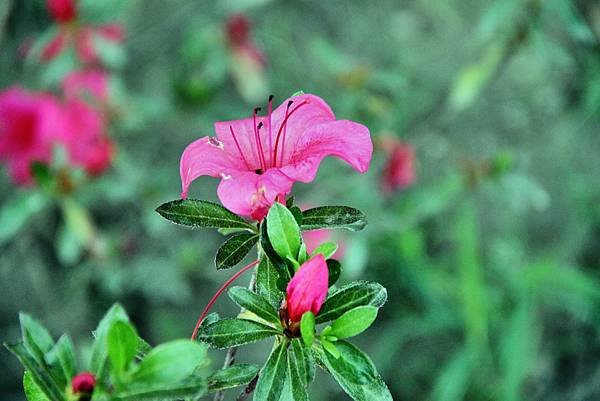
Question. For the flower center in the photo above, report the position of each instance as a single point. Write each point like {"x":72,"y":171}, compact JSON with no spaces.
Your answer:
{"x":275,"y":154}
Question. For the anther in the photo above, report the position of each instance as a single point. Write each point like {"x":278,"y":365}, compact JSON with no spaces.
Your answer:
{"x":260,"y":125}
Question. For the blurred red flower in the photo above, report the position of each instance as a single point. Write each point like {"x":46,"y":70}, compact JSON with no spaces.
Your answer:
{"x":399,"y":170}
{"x":62,"y":11}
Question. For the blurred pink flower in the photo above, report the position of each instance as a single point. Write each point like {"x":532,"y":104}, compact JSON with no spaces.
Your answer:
{"x":307,"y":290}
{"x":260,"y":158}
{"x":82,"y":38}
{"x":399,"y":170}
{"x":312,"y":239}
{"x":240,"y":40}
{"x":29,"y":124}
{"x":62,"y":11}
{"x":86,"y":84}
{"x":85,"y":139}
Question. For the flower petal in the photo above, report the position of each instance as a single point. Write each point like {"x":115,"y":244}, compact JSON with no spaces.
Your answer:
{"x":205,"y":156}
{"x":344,"y":139}
{"x":313,"y":111}
{"x":307,"y":290}
{"x":251,"y":194}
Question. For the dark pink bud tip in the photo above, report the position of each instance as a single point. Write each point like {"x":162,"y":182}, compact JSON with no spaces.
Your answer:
{"x":83,"y":382}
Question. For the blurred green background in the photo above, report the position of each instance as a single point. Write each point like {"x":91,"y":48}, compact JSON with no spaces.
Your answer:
{"x":491,"y":257}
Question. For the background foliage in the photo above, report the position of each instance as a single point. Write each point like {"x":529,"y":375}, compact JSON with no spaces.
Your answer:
{"x":490,"y":258}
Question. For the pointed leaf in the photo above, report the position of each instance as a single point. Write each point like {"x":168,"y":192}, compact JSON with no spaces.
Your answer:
{"x":33,"y":392}
{"x":170,"y":362}
{"x":355,"y":373}
{"x":192,"y":388}
{"x":272,"y":376}
{"x":200,"y":213}
{"x":327,"y":249}
{"x":333,"y":217}
{"x":63,"y":354}
{"x":39,"y":373}
{"x":235,"y":249}
{"x":307,"y":328}
{"x":354,"y":322}
{"x":358,"y":293}
{"x":278,"y":262}
{"x":99,"y":348}
{"x":35,"y":336}
{"x":254,"y":303}
{"x":266,"y":282}
{"x":297,"y":372}
{"x":122,"y":345}
{"x":232,"y":376}
{"x":233,"y":332}
{"x":284,"y":233}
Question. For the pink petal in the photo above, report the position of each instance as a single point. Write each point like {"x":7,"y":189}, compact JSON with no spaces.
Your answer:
{"x":313,"y":111}
{"x":307,"y":290}
{"x":112,"y":32}
{"x":250,"y":194}
{"x":205,"y":156}
{"x":54,"y":47}
{"x":344,"y":139}
{"x":80,"y":84}
{"x":84,"y":45}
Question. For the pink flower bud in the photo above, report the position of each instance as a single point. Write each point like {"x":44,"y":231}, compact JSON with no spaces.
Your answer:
{"x":238,"y":29}
{"x":62,"y":11}
{"x":399,"y":170}
{"x":307,"y":290}
{"x":83,"y":382}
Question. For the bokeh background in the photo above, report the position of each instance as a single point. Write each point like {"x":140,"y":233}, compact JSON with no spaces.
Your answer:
{"x":483,"y":196}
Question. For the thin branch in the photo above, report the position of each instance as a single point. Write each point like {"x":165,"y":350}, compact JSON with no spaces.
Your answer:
{"x":248,"y":390}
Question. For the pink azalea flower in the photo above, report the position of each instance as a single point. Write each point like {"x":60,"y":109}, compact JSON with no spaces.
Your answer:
{"x":82,"y":37}
{"x":240,"y":39}
{"x":29,"y":124}
{"x":62,"y":11}
{"x":84,"y":138}
{"x":83,"y":382}
{"x":307,"y":290}
{"x":86,"y":84}
{"x":399,"y":170}
{"x":258,"y":159}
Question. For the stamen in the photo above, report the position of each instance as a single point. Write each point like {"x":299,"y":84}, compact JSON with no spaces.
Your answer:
{"x":238,"y":147}
{"x":283,"y":128}
{"x":269,"y":111}
{"x":261,"y":156}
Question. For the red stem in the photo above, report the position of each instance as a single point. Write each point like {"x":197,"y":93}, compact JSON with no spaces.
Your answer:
{"x":218,"y":293}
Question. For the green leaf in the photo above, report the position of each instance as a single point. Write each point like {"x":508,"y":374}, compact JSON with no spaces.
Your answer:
{"x":63,"y":353}
{"x":193,"y":388}
{"x":100,"y":347}
{"x":284,"y":233}
{"x":254,"y":303}
{"x":305,"y":360}
{"x":333,"y":217}
{"x":39,"y":373}
{"x":297,"y":372}
{"x":297,"y":213}
{"x":327,"y":249}
{"x":33,"y":392}
{"x":170,"y":363}
{"x":335,"y":270}
{"x":330,"y":348}
{"x":307,"y":328}
{"x":354,"y":322}
{"x":289,"y":202}
{"x":272,"y":376}
{"x":355,"y":373}
{"x":278,"y":263}
{"x":35,"y":337}
{"x":16,"y":212}
{"x":358,"y":293}
{"x":233,"y":332}
{"x":204,"y":214}
{"x":232,"y":376}
{"x":235,"y":249}
{"x":122,"y":346}
{"x":266,"y":282}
